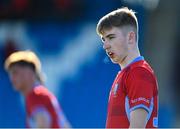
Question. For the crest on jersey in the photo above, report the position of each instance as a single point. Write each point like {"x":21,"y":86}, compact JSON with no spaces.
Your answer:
{"x":115,"y":88}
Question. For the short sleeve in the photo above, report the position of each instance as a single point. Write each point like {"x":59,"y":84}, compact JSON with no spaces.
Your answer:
{"x":39,"y":108}
{"x":139,"y":86}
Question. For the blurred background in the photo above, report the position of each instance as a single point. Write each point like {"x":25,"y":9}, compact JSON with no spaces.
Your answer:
{"x":62,"y":33}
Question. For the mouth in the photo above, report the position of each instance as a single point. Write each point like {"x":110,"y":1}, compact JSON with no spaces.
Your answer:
{"x":110,"y":54}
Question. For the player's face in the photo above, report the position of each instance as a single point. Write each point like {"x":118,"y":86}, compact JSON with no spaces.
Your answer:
{"x":20,"y":76}
{"x":115,"y":44}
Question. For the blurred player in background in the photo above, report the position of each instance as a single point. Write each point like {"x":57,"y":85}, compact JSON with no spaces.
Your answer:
{"x":133,"y":99}
{"x":42,"y":107}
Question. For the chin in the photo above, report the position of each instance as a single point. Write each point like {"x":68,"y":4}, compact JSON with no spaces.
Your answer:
{"x":114,"y":61}
{"x":17,"y":88}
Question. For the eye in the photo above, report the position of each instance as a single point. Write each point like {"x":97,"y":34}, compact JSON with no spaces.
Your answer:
{"x":111,"y":37}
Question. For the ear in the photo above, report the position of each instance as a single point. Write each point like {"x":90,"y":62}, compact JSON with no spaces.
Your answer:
{"x":131,"y":37}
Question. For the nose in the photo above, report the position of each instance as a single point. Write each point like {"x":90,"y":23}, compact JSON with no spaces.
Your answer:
{"x":106,"y":45}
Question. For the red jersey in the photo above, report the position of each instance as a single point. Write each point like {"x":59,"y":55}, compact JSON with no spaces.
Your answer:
{"x":40,"y":99}
{"x":134,"y":87}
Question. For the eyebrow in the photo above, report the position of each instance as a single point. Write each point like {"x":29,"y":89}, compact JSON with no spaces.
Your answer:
{"x":107,"y":36}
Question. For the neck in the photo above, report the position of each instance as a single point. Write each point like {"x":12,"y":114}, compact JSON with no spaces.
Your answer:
{"x":129,"y":58}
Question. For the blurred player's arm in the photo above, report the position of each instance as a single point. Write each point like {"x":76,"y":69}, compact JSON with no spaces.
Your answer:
{"x":42,"y":119}
{"x":138,"y":118}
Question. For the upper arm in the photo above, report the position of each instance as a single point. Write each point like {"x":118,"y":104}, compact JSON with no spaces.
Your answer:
{"x":39,"y":113}
{"x":42,"y":117}
{"x":138,"y":118}
{"x":140,"y":86}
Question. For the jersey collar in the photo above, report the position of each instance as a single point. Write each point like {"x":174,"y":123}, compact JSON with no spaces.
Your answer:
{"x":139,"y":58}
